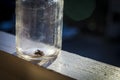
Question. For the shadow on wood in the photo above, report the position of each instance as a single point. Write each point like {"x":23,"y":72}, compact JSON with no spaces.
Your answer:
{"x":14,"y":68}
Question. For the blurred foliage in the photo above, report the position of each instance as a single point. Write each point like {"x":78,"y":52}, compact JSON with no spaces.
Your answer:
{"x":79,"y":9}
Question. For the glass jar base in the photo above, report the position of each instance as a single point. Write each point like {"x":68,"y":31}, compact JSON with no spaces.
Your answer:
{"x":44,"y":61}
{"x":43,"y":54}
{"x":39,"y":56}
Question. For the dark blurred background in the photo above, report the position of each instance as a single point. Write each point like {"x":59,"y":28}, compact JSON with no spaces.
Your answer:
{"x":91,"y":27}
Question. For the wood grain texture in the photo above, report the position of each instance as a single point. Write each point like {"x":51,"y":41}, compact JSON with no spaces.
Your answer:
{"x":7,"y":42}
{"x":82,"y":68}
{"x":73,"y":65}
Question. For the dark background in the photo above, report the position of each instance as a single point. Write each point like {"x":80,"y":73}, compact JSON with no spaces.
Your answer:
{"x":91,"y":29}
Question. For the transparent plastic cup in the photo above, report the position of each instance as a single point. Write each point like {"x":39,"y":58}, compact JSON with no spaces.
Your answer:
{"x":39,"y":30}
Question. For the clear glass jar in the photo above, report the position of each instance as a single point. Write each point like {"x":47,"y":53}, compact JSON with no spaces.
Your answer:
{"x":39,"y":30}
